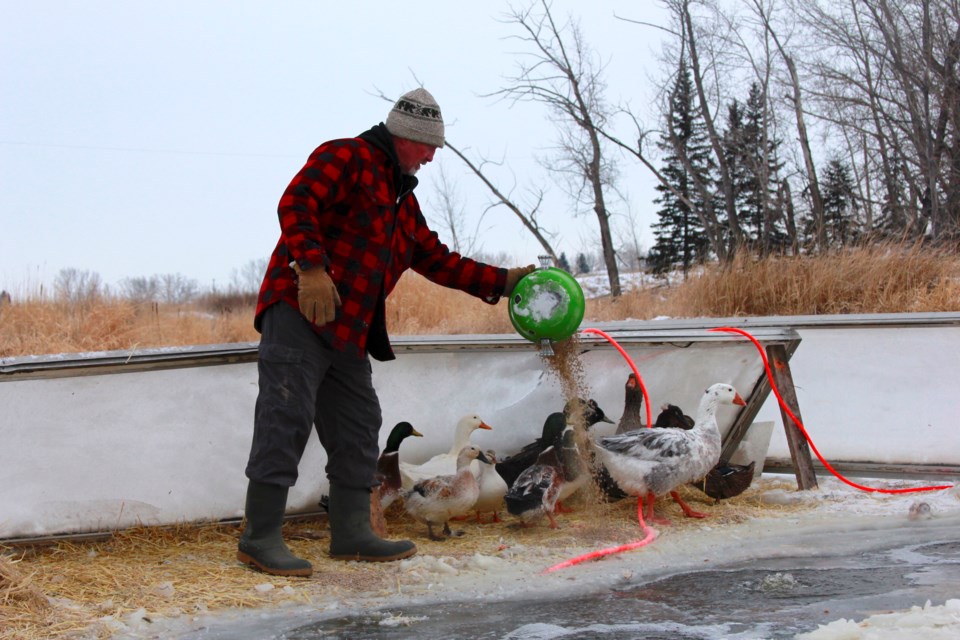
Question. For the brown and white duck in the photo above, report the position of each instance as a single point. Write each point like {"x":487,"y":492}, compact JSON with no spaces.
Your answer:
{"x":435,"y":501}
{"x":443,"y":463}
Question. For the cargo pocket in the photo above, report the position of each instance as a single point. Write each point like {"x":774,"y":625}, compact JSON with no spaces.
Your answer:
{"x":281,"y":379}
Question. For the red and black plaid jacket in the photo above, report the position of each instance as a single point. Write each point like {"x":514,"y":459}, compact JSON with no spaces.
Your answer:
{"x":350,"y":210}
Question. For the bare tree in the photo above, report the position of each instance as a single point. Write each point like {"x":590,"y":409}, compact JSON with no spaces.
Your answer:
{"x":887,"y":80}
{"x":763,"y":10}
{"x":528,"y":217}
{"x":452,"y":216}
{"x":560,"y":71}
{"x":247,"y":278}
{"x":141,"y":288}
{"x":175,"y":288}
{"x":78,"y":287}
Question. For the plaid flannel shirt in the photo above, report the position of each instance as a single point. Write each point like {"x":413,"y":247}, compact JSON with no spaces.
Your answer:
{"x":349,"y":210}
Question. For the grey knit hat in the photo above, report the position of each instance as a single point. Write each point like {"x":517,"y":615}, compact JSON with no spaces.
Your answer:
{"x":416,"y":116}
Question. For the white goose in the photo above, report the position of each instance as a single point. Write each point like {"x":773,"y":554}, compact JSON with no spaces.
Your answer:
{"x":443,"y":463}
{"x":648,"y":463}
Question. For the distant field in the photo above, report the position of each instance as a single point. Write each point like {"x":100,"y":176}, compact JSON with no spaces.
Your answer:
{"x":878,"y":279}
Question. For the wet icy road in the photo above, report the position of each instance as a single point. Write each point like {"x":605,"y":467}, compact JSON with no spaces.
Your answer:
{"x":771,"y":599}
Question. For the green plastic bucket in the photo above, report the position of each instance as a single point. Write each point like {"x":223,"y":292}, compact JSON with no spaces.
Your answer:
{"x":547,"y":304}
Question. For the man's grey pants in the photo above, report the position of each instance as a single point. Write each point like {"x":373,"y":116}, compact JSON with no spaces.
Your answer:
{"x":304,"y":383}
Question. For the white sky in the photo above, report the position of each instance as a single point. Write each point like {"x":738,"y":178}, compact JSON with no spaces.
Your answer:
{"x":143,"y":138}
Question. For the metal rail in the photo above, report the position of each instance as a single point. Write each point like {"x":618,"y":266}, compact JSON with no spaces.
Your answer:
{"x":132,"y":360}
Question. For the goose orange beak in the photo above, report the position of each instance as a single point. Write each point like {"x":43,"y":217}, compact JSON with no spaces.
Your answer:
{"x":738,"y":400}
{"x":484,"y":425}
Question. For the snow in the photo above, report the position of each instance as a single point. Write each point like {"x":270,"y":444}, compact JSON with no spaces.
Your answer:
{"x":886,"y":414}
{"x":837,"y":520}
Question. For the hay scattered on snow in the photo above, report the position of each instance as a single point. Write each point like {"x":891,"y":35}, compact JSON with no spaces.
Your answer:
{"x":68,"y":588}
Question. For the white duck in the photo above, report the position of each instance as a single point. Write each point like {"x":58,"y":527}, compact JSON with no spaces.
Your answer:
{"x":648,"y":463}
{"x":443,"y":463}
{"x":492,"y":488}
{"x":434,"y":501}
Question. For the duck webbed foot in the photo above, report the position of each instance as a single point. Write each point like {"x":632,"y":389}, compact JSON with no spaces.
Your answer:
{"x":690,"y":513}
{"x":434,"y":536}
{"x":560,"y":508}
{"x":650,"y":516}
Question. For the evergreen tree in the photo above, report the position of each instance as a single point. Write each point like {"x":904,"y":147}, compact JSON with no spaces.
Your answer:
{"x":761,"y":190}
{"x":679,"y":235}
{"x":839,"y":204}
{"x":751,"y":155}
{"x":563,"y":263}
{"x":583,"y":265}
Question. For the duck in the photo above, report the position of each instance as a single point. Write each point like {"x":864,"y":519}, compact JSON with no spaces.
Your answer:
{"x":648,"y":463}
{"x":492,"y":488}
{"x":511,"y":467}
{"x":573,"y":469}
{"x":588,"y":414}
{"x":672,"y":417}
{"x":534,"y":493}
{"x":443,"y":463}
{"x":725,"y":480}
{"x":630,"y":419}
{"x":434,"y":501}
{"x":388,"y":464}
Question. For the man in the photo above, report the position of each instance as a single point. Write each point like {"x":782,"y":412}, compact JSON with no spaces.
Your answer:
{"x":349,"y":227}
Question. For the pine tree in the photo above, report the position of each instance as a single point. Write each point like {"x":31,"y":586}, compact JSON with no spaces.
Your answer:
{"x":583,"y":265}
{"x":563,"y":263}
{"x":761,"y":190}
{"x":679,"y":234}
{"x":839,"y":204}
{"x":751,"y":155}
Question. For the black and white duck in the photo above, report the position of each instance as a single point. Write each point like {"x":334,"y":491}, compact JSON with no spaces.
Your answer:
{"x":511,"y":467}
{"x":534,"y":493}
{"x":435,"y":501}
{"x":588,"y":415}
{"x":725,"y":480}
{"x":649,"y":463}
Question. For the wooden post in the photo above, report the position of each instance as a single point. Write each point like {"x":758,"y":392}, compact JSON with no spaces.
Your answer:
{"x":799,"y":449}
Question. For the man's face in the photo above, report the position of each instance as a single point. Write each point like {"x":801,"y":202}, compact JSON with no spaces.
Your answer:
{"x":413,"y":155}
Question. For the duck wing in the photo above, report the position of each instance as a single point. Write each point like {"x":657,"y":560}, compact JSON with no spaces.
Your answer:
{"x":533,"y":489}
{"x":510,"y":468}
{"x":653,"y":445}
{"x":726,"y":480}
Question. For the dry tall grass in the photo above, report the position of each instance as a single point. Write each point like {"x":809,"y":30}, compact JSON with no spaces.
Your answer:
{"x":880,"y":279}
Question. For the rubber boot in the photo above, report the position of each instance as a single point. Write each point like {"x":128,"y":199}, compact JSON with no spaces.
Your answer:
{"x":261,"y":544}
{"x":351,"y":537}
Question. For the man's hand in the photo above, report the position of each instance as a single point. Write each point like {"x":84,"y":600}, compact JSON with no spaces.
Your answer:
{"x":316,"y":294}
{"x":513,"y":277}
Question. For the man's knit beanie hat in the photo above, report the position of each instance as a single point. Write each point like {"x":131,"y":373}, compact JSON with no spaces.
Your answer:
{"x":416,"y":116}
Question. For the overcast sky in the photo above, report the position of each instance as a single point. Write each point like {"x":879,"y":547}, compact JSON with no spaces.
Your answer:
{"x":145,"y":138}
